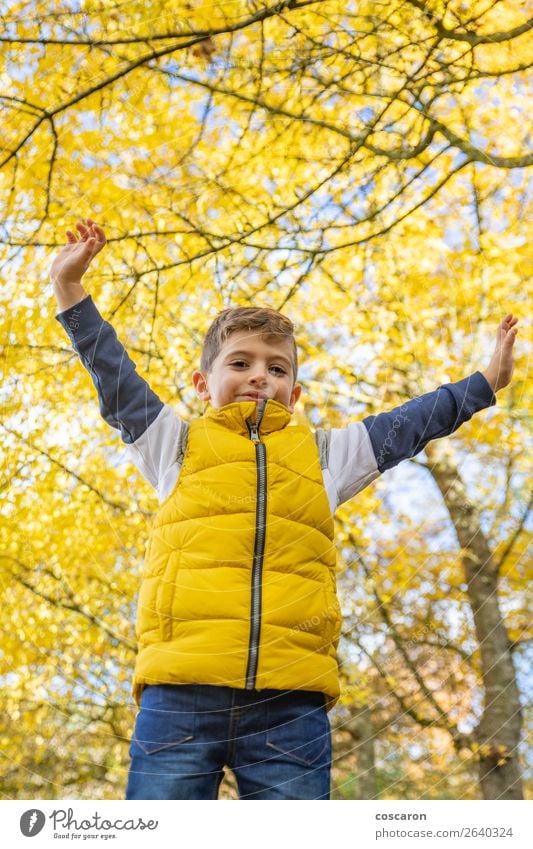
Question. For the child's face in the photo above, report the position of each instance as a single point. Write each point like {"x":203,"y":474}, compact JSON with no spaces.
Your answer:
{"x":248,"y":368}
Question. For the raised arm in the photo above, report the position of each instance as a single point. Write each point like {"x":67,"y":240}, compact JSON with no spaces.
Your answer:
{"x":73,"y":260}
{"x":150,"y":428}
{"x":126,"y":401}
{"x":500,"y":369}
{"x":404,"y":431}
{"x":360,"y":452}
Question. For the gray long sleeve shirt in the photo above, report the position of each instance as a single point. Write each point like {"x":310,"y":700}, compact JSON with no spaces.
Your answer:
{"x":356,"y":454}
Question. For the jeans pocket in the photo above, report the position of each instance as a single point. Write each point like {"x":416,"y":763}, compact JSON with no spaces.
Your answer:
{"x":166,"y":717}
{"x":298,"y":728}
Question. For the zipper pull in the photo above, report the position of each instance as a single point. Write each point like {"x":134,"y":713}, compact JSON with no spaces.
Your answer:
{"x":254,"y":432}
{"x":253,"y":427}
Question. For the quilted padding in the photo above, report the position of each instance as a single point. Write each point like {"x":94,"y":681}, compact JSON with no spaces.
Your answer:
{"x":194,"y":608}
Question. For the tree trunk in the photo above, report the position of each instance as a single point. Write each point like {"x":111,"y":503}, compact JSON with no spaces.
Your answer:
{"x":498,"y":732}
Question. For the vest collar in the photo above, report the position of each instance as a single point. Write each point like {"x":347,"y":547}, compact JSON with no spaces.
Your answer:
{"x":234,"y":416}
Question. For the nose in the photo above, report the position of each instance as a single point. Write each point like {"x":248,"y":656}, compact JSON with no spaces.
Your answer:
{"x":259,"y":374}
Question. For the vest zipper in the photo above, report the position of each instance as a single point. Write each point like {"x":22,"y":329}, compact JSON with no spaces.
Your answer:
{"x":259,"y":547}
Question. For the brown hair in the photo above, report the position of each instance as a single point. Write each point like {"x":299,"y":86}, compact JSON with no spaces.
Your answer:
{"x":269,"y":322}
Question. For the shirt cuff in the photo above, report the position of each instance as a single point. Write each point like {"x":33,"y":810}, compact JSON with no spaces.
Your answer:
{"x":81,"y":321}
{"x":478,"y":391}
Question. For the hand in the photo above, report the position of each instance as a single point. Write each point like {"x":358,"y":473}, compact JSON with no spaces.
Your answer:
{"x":74,"y":258}
{"x":500,"y":368}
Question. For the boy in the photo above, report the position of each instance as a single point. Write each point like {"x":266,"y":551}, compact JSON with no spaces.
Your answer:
{"x":238,"y":620}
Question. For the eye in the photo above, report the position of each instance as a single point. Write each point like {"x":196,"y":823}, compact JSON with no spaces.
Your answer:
{"x":278,"y":369}
{"x":239,"y":363}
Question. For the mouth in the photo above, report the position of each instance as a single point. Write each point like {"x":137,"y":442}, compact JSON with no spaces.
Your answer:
{"x":255,"y":396}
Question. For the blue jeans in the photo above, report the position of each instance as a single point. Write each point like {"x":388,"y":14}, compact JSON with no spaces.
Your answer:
{"x":277,"y":742}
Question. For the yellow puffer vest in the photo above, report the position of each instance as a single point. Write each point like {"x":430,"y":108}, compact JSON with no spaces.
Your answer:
{"x":239,"y":582}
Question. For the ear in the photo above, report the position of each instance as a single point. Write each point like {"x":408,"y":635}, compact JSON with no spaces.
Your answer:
{"x":199,"y":380}
{"x":295,"y":394}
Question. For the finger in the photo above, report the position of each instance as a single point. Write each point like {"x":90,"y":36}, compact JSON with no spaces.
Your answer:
{"x":98,"y":230}
{"x":99,"y":240}
{"x":95,"y":246}
{"x":506,"y":325}
{"x":83,"y":229}
{"x":71,"y":237}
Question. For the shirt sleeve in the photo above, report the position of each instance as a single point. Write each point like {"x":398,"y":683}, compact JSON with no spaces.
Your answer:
{"x":150,"y":428}
{"x":364,"y":450}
